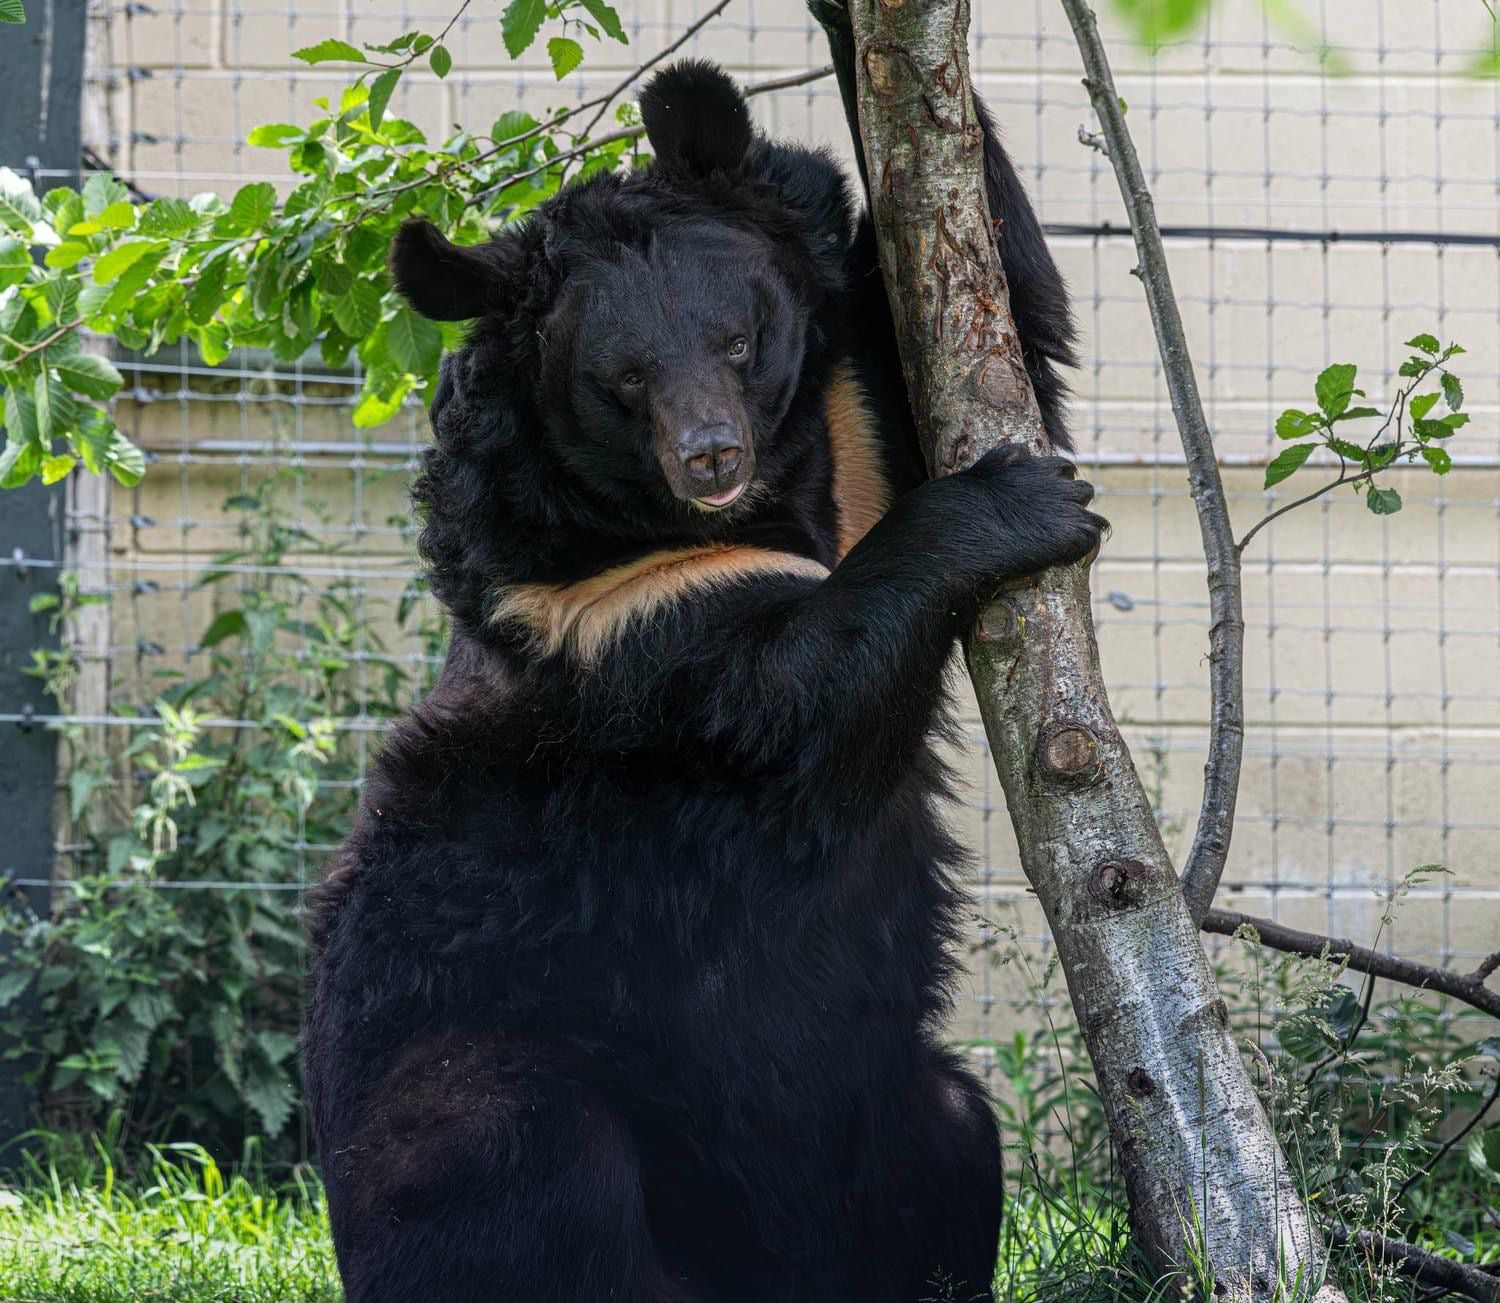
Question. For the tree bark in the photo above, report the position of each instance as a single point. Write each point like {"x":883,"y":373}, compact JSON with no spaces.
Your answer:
{"x":1207,"y":1181}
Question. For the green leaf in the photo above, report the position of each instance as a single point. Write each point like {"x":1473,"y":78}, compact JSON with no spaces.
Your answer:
{"x":413,"y":343}
{"x":41,"y":397}
{"x":1294,"y":424}
{"x":253,"y":206}
{"x":1438,"y":459}
{"x":607,"y":18}
{"x":12,"y":984}
{"x":330,"y":51}
{"x":1431,"y":429}
{"x":15,"y":260}
{"x":1383,"y":502}
{"x":520,"y":23}
{"x":275,"y":135}
{"x":206,"y":292}
{"x":377,"y":404}
{"x":90,"y":374}
{"x":1456,"y":421}
{"x":57,"y":468}
{"x":380,"y":95}
{"x":168,"y":218}
{"x":19,"y":461}
{"x":510,"y":125}
{"x":357,"y":312}
{"x":1336,"y":388}
{"x":126,"y":462}
{"x":102,"y":191}
{"x":121,"y":259}
{"x":1484,"y":1153}
{"x":1422,"y":404}
{"x":19,"y":209}
{"x":1453,"y":391}
{"x":11,"y":11}
{"x":1359,"y":413}
{"x":440,"y":60}
{"x":565,"y":55}
{"x":1288,"y":462}
{"x":67,"y":254}
{"x":1425,"y":344}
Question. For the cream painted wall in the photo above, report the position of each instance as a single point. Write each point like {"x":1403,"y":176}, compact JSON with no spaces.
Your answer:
{"x":1373,"y":649}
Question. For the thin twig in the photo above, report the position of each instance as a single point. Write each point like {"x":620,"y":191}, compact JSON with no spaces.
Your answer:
{"x":1221,"y":776}
{"x":1461,"y":986}
{"x":1453,"y":1142}
{"x":1487,"y":969}
{"x":1470,"y":1282}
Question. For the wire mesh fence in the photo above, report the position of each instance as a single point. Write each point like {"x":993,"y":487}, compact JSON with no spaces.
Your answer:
{"x":1326,"y":196}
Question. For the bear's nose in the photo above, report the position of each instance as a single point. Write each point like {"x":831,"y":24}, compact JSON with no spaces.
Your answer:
{"x":710,"y":454}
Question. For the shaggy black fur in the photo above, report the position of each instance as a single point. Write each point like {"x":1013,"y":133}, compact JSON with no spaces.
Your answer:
{"x":630,"y":977}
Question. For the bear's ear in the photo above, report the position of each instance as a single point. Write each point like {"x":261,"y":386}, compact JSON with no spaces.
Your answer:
{"x":696,"y":118}
{"x":440,"y":279}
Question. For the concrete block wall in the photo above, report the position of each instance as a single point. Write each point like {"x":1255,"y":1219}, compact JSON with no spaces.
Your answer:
{"x":1373,"y":648}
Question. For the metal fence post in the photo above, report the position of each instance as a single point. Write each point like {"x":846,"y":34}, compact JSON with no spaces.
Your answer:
{"x":41,"y":95}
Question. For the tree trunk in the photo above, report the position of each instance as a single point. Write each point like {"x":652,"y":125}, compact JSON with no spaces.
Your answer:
{"x":1207,"y":1181}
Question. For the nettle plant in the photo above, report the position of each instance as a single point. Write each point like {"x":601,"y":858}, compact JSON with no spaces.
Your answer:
{"x":302,"y":275}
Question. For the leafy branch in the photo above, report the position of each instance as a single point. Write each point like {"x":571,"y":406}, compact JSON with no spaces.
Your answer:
{"x":1408,"y":430}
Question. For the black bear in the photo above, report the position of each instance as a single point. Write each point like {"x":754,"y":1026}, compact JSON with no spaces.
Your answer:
{"x":629,"y":981}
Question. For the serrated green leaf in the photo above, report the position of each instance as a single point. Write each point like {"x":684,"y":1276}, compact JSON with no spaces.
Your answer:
{"x":1424,"y":343}
{"x":565,"y":54}
{"x":1383,"y":502}
{"x":380,"y":95}
{"x":1438,"y":459}
{"x":1295,"y":424}
{"x":330,"y":51}
{"x":1359,"y":413}
{"x":520,"y":23}
{"x":605,"y":15}
{"x":12,"y":11}
{"x":275,"y":135}
{"x":100,"y":191}
{"x":440,"y":60}
{"x":1414,"y":367}
{"x":126,"y":462}
{"x":167,"y":217}
{"x":1422,"y":404}
{"x":1456,"y":421}
{"x":510,"y":125}
{"x":1287,"y":462}
{"x":1431,"y":429}
{"x":253,"y":206}
{"x":357,"y":311}
{"x":412,"y":342}
{"x":1453,"y":391}
{"x":206,"y":292}
{"x":377,"y":404}
{"x":19,"y":461}
{"x":1335,"y":388}
{"x":89,"y":374}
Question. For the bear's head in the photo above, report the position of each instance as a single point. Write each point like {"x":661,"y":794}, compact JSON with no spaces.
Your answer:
{"x":638,"y":342}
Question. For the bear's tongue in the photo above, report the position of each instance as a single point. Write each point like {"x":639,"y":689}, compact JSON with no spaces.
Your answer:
{"x":723,"y":499}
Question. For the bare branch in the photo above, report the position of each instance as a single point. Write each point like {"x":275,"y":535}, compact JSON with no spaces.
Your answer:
{"x":1409,"y":1260}
{"x":1465,"y":987}
{"x":1226,"y":637}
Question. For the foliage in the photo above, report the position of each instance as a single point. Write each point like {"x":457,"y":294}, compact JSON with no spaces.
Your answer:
{"x":1362,"y":1095}
{"x":179,"y":1004}
{"x":296,"y":276}
{"x":181,"y":1228}
{"x":1408,"y":429}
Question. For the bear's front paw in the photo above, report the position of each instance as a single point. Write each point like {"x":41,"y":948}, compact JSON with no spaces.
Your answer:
{"x":1041,"y":507}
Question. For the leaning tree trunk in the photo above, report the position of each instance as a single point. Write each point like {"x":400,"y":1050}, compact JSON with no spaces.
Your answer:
{"x":1207,"y":1181}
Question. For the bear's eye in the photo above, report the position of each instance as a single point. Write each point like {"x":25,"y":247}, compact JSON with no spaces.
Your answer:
{"x":632,"y":380}
{"x":739,"y":346}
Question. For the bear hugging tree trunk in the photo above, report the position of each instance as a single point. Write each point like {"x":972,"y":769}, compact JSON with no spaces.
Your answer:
{"x":630,"y":979}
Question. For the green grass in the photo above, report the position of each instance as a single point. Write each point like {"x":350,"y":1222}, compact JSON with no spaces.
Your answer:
{"x":183,"y":1231}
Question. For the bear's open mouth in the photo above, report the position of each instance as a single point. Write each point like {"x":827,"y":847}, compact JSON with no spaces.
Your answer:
{"x":718,"y":501}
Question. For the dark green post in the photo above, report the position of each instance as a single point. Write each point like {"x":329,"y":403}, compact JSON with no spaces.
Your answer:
{"x":41,"y":96}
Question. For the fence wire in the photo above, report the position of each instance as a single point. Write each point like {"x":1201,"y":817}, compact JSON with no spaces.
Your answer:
{"x":1319,"y":207}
